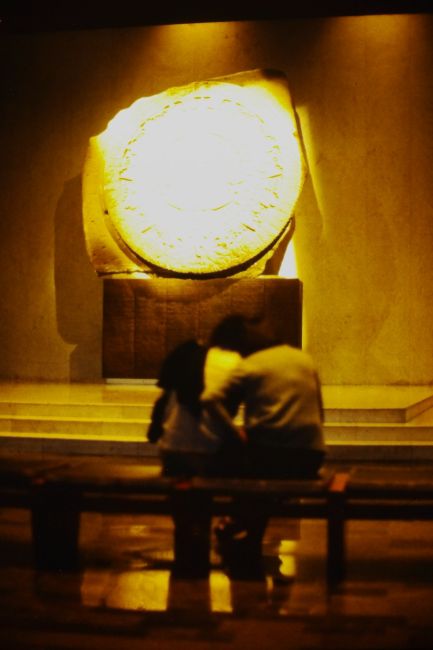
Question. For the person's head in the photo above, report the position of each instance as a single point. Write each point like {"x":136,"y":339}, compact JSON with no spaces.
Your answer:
{"x":229,"y":333}
{"x":242,"y":334}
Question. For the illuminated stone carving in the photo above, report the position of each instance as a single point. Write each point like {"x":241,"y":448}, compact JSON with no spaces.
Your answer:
{"x":198,"y":181}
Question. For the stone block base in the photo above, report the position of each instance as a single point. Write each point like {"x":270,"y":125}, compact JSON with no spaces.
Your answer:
{"x":144,"y":319}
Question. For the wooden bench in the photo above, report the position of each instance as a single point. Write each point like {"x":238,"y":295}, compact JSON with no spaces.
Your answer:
{"x":58,"y":490}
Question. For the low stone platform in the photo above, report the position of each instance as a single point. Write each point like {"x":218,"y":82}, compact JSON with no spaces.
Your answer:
{"x":361,"y":422}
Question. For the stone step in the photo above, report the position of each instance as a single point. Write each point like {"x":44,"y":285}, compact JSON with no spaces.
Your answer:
{"x":370,"y":421}
{"x":418,"y":430}
{"x":342,"y":404}
{"x":376,"y":403}
{"x":381,"y":451}
{"x":77,"y":400}
{"x":93,"y":427}
{"x":75,"y":444}
{"x":128,"y":446}
{"x":92,"y":411}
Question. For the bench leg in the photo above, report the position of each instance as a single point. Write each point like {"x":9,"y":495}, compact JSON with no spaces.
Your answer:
{"x":55,"y":521}
{"x":192,"y":521}
{"x":241,"y":543}
{"x":336,"y":556}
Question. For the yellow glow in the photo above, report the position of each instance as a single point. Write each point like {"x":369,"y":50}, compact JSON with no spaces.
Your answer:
{"x":220,"y":592}
{"x":203,"y":178}
{"x":286,"y":554}
{"x":288,"y":268}
{"x":146,"y":590}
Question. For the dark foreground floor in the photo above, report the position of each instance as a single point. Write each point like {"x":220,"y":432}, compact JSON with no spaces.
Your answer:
{"x":124,"y":597}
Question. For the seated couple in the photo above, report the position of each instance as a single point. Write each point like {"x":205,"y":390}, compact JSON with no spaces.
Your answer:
{"x":194,"y":422}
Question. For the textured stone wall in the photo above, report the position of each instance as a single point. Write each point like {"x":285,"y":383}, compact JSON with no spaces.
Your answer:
{"x":363,"y":90}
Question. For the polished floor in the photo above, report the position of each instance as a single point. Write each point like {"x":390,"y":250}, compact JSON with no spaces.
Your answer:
{"x":124,"y":597}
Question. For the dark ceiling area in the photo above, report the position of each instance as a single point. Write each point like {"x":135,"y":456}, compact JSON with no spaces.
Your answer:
{"x":48,"y":15}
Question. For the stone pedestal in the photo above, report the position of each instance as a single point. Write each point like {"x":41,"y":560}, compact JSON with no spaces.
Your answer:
{"x":144,"y":319}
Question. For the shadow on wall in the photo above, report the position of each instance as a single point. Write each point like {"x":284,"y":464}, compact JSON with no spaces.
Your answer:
{"x":78,"y":290}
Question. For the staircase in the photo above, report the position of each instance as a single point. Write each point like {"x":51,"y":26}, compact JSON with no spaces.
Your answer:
{"x":76,"y":418}
{"x":361,"y":422}
{"x":392,"y":423}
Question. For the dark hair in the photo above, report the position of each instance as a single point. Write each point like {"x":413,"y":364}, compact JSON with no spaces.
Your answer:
{"x":229,"y":333}
{"x":182,"y":371}
{"x":242,"y":334}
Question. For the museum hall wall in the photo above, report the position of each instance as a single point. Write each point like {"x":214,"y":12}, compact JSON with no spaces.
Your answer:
{"x":363,"y":92}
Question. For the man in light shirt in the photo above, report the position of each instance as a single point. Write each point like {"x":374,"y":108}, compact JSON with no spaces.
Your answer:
{"x":279,"y":389}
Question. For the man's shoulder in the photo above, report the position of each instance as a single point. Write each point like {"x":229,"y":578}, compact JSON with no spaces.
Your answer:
{"x":280,"y":354}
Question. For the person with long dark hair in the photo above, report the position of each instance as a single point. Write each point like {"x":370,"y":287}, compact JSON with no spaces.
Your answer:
{"x":190,"y":439}
{"x":187,"y":448}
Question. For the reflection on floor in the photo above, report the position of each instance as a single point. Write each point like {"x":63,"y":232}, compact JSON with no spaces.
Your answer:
{"x":125,"y":598}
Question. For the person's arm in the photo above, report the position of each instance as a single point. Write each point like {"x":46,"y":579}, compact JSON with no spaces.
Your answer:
{"x":218,"y":411}
{"x":222,"y":398}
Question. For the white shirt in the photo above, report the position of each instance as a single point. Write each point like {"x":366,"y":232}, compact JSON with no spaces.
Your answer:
{"x":183,"y":431}
{"x":280,"y":389}
{"x":218,"y":367}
